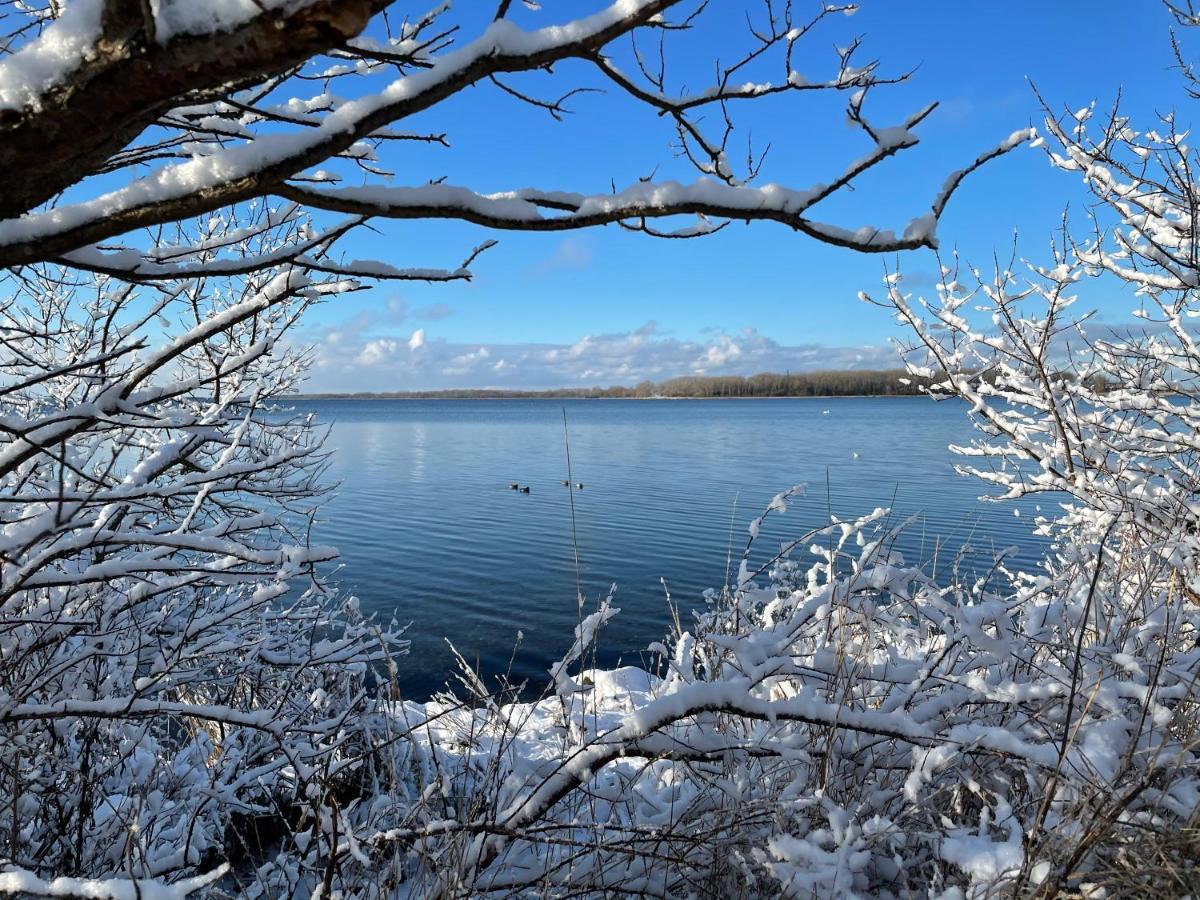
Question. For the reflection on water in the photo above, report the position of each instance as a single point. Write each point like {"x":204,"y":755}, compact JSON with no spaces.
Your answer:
{"x":429,"y":530}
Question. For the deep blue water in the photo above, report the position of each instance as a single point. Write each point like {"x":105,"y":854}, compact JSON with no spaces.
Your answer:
{"x":430,"y":532}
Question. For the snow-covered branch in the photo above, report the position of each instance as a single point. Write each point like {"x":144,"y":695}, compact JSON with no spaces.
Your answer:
{"x":218,"y":112}
{"x":841,"y":730}
{"x":524,"y":210}
{"x":172,"y":664}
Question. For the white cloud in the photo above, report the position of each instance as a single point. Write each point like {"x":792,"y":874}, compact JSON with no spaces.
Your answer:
{"x":722,"y":353}
{"x":374,"y":352}
{"x":362,"y":363}
{"x":466,"y":362}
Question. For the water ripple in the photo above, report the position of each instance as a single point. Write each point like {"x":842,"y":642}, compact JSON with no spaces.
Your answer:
{"x":430,"y":532}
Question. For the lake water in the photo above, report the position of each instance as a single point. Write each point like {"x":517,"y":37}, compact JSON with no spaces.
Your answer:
{"x":430,"y":532}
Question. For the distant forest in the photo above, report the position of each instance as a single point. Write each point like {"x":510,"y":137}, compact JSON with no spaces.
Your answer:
{"x":855,"y":383}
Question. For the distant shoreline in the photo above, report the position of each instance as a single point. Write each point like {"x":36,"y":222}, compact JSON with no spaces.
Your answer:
{"x":549,"y":396}
{"x":826,"y":384}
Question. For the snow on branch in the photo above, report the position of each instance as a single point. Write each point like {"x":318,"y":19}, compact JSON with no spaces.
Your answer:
{"x":172,"y":663}
{"x":522,"y":210}
{"x":240,"y":172}
{"x":209,"y":149}
{"x":21,"y":881}
{"x":822,"y":734}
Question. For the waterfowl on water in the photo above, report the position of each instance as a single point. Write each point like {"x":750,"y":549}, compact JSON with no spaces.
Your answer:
{"x":524,"y":490}
{"x":566,"y":483}
{"x":579,"y":485}
{"x":514,"y":486}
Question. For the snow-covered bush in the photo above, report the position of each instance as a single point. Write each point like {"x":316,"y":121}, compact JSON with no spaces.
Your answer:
{"x":849,"y":728}
{"x":174,"y":677}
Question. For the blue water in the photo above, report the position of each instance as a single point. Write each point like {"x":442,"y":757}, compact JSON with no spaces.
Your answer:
{"x":430,"y":532}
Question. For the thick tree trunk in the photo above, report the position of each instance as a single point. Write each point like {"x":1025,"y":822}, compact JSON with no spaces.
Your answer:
{"x":131,"y":79}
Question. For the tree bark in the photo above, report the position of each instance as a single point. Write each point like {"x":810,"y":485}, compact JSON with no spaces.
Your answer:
{"x":131,"y":79}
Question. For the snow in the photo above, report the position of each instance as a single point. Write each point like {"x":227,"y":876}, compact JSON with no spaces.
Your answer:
{"x":69,"y":41}
{"x":179,"y":17}
{"x":15,"y":881}
{"x":47,"y":60}
{"x":985,"y":860}
{"x":234,"y":163}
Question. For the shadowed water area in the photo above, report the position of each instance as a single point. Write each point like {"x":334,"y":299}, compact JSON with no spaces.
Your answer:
{"x":430,"y":531}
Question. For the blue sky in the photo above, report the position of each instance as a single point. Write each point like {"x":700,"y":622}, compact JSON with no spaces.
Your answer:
{"x":606,"y":306}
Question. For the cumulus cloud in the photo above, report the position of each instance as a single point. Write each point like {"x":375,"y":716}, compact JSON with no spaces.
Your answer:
{"x":723,"y":353}
{"x":377,"y":351}
{"x":355,"y":362}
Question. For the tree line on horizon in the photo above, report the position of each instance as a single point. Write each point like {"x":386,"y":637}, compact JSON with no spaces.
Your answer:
{"x":831,"y":383}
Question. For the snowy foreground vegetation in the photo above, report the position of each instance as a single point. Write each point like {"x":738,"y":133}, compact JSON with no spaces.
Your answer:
{"x":843,"y":727}
{"x":187,"y":708}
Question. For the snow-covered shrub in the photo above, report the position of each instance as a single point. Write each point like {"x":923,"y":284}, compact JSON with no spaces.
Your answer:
{"x":175,"y":681}
{"x":849,"y":728}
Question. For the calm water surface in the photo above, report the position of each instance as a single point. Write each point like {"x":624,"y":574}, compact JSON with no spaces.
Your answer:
{"x":430,"y":532}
